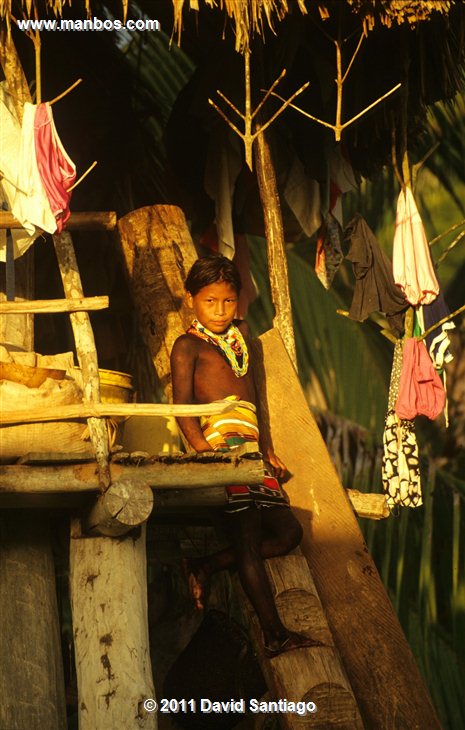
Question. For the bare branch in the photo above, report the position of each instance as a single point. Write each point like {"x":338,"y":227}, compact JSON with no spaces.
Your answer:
{"x":222,"y":114}
{"x":306,"y":114}
{"x":269,"y":92}
{"x":364,"y":111}
{"x":64,"y":93}
{"x":353,"y":57}
{"x":281,"y":109}
{"x":225,"y":98}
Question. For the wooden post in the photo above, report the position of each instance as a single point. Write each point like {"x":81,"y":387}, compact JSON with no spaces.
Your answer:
{"x":276,"y":249}
{"x":31,"y":668}
{"x":85,"y":349}
{"x":387,"y":684}
{"x":158,"y":253}
{"x":110,"y":625}
{"x":317,"y":673}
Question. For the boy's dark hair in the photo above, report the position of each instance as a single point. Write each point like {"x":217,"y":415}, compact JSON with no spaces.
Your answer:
{"x":210,"y":270}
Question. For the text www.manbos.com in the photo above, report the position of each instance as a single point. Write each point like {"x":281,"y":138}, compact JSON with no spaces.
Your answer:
{"x":88,"y":24}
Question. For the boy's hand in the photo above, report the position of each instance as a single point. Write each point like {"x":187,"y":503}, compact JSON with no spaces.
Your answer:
{"x":279,"y":467}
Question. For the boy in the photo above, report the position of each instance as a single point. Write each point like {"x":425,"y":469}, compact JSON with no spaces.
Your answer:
{"x":211,"y":362}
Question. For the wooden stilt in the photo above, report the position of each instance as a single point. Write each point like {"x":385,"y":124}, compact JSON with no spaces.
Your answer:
{"x":109,"y":603}
{"x":85,"y":349}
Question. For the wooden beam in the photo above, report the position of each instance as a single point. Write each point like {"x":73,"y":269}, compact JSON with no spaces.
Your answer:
{"x":122,"y":507}
{"x":85,"y":350}
{"x":51,"y":306}
{"x":369,"y":505}
{"x":275,"y":244}
{"x":317,"y":672}
{"x":169,"y":472}
{"x":98,"y":410}
{"x":91,"y":221}
{"x":387,"y":684}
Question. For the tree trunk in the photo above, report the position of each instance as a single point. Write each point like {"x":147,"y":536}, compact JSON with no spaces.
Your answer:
{"x":389,"y":689}
{"x":158,"y":252}
{"x":110,"y":625}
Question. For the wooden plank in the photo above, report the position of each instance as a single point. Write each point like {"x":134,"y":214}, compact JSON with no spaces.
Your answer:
{"x":389,"y":689}
{"x":189,"y":471}
{"x":51,"y":306}
{"x":317,"y":672}
{"x":91,"y":221}
{"x":86,"y":410}
{"x":108,"y":581}
{"x":85,"y":350}
{"x":35,"y":458}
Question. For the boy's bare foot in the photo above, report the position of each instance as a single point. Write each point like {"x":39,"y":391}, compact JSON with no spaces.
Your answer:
{"x":196,"y":579}
{"x":291,"y":642}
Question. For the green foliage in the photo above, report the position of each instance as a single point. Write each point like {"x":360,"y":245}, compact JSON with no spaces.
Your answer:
{"x":332,"y":349}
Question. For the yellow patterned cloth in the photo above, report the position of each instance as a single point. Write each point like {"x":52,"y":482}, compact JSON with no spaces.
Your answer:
{"x":230,"y":430}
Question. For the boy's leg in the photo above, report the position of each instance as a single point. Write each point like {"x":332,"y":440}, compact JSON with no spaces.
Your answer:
{"x":246,"y":535}
{"x":282,"y":533}
{"x":245,"y":529}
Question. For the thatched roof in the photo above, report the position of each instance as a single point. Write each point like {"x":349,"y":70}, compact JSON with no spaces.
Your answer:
{"x":253,"y":17}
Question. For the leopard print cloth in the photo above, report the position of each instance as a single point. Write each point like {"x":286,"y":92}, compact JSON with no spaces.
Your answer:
{"x":401,"y":467}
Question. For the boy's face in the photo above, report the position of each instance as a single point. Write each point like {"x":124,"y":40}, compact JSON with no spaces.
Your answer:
{"x":214,"y":306}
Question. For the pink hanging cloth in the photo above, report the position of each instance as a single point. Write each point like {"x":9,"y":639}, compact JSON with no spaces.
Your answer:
{"x":56,"y":169}
{"x":411,"y":260}
{"x":421,"y":392}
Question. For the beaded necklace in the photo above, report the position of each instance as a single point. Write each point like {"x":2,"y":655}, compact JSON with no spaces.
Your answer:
{"x":231,"y":345}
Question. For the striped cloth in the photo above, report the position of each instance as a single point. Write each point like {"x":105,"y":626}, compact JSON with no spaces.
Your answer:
{"x":230,"y":430}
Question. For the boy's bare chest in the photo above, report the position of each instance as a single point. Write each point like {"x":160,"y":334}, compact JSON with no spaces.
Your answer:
{"x":214,"y":377}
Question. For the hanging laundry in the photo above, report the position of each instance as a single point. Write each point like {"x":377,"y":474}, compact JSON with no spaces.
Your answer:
{"x":411,"y":259}
{"x":421,"y":392}
{"x":329,"y":254}
{"x":10,"y":139}
{"x":342,"y":179}
{"x":438,"y":342}
{"x":56,"y":168}
{"x":400,"y":467}
{"x":375,"y":290}
{"x":36,"y":173}
{"x":302,"y":194}
{"x":31,"y":205}
{"x":223,"y":165}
